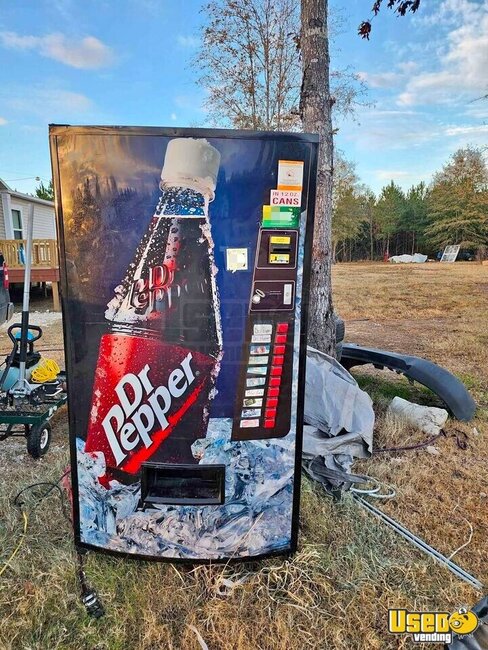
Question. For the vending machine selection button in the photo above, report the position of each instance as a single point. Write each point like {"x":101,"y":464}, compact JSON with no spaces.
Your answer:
{"x":279,"y":349}
{"x":261,"y":338}
{"x":275,"y":381}
{"x":269,"y":424}
{"x":282,"y":328}
{"x":263,"y":328}
{"x":280,"y":338}
{"x":249,"y":424}
{"x":273,"y":392}
{"x":270,"y":413}
{"x":276,"y":371}
{"x":271,"y":402}
{"x":278,"y":360}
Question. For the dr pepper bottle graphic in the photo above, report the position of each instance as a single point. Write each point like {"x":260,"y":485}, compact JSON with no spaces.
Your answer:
{"x":157,"y":366}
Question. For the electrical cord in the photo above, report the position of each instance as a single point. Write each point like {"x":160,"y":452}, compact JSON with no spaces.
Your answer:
{"x":89,"y":596}
{"x":375,"y":492}
{"x":47,"y":370}
{"x":52,"y":487}
{"x":18,"y":503}
{"x":19,"y":545}
{"x":420,"y":445}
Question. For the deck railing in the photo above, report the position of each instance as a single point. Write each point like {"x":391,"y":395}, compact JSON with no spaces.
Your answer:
{"x":44,"y":253}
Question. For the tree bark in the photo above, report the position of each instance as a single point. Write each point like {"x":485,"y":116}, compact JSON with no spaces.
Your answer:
{"x":315,"y":112}
{"x":371,"y":240}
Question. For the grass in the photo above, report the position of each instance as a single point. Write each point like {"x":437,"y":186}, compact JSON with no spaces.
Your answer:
{"x":335,"y":592}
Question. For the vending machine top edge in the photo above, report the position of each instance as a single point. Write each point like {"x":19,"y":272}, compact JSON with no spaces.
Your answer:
{"x":185,"y":260}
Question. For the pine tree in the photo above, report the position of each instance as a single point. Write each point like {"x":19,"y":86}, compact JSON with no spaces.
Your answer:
{"x":414,"y":218}
{"x":349,"y":204}
{"x":389,"y":212}
{"x":458,"y":201}
{"x":46,"y":193}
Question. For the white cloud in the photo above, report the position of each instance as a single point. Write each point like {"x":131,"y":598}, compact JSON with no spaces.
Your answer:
{"x":478,"y":110}
{"x":393,"y":174}
{"x":173,"y":117}
{"x":407,"y":129}
{"x":390,"y":78}
{"x":188,"y":41}
{"x":450,"y":11}
{"x":472,"y":131}
{"x":408,"y":67}
{"x":392,"y":129}
{"x":381,"y":79}
{"x":50,"y":104}
{"x":462,"y":66}
{"x":3,"y":121}
{"x":87,"y":53}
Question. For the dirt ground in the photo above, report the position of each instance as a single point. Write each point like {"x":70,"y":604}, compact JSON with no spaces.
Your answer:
{"x":349,"y":570}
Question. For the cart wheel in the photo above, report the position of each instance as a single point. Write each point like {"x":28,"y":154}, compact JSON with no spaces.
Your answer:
{"x":39,"y":439}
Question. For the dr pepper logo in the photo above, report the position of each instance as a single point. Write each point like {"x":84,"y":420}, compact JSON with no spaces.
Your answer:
{"x":140,"y":405}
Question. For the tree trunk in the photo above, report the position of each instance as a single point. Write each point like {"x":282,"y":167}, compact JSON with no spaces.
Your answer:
{"x":371,"y":241}
{"x":315,"y":112}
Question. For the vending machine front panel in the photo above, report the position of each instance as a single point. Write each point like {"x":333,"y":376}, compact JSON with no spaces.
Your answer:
{"x":184,"y":263}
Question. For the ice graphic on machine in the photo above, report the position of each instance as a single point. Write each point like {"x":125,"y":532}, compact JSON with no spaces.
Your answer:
{"x":184,"y":263}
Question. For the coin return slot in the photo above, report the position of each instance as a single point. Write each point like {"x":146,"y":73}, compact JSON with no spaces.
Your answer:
{"x":198,"y":485}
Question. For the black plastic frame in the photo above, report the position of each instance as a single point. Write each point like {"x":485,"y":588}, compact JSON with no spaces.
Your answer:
{"x":56,"y":130}
{"x":219,"y":470}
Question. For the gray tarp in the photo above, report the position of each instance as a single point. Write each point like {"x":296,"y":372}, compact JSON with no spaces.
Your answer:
{"x":418,"y":258}
{"x":339,"y":416}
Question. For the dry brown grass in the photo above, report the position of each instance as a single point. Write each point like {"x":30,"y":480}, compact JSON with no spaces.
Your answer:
{"x":440,"y":312}
{"x":334,"y":594}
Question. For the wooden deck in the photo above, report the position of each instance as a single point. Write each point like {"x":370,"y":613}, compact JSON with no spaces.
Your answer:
{"x":45,"y":263}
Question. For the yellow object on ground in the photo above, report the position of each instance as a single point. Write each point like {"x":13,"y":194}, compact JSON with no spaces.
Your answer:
{"x":17,"y":548}
{"x":47,"y":370}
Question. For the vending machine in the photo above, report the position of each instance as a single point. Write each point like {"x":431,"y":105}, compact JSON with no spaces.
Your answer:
{"x":185,"y":259}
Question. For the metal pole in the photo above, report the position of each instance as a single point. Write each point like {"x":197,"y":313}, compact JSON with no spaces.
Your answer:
{"x":420,"y":544}
{"x":21,"y":388}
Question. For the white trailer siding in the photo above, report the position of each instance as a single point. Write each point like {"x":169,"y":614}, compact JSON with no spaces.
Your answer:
{"x":44,"y":221}
{"x":3,"y":200}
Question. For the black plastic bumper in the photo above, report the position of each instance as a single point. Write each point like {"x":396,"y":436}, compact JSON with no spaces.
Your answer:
{"x":441,"y":382}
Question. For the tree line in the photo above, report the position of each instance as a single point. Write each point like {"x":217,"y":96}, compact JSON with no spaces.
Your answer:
{"x":451,"y":209}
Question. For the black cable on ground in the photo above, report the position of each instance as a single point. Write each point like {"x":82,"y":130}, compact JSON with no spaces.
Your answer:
{"x":426,"y":443}
{"x":461,"y":442}
{"x":89,"y":596}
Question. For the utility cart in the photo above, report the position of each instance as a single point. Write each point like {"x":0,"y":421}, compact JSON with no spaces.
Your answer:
{"x":31,"y":422}
{"x":32,"y":389}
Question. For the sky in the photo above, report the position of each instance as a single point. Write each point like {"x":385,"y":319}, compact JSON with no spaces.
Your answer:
{"x":129,"y":63}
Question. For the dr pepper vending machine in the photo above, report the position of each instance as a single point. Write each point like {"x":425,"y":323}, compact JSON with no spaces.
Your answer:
{"x":185,"y":259}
